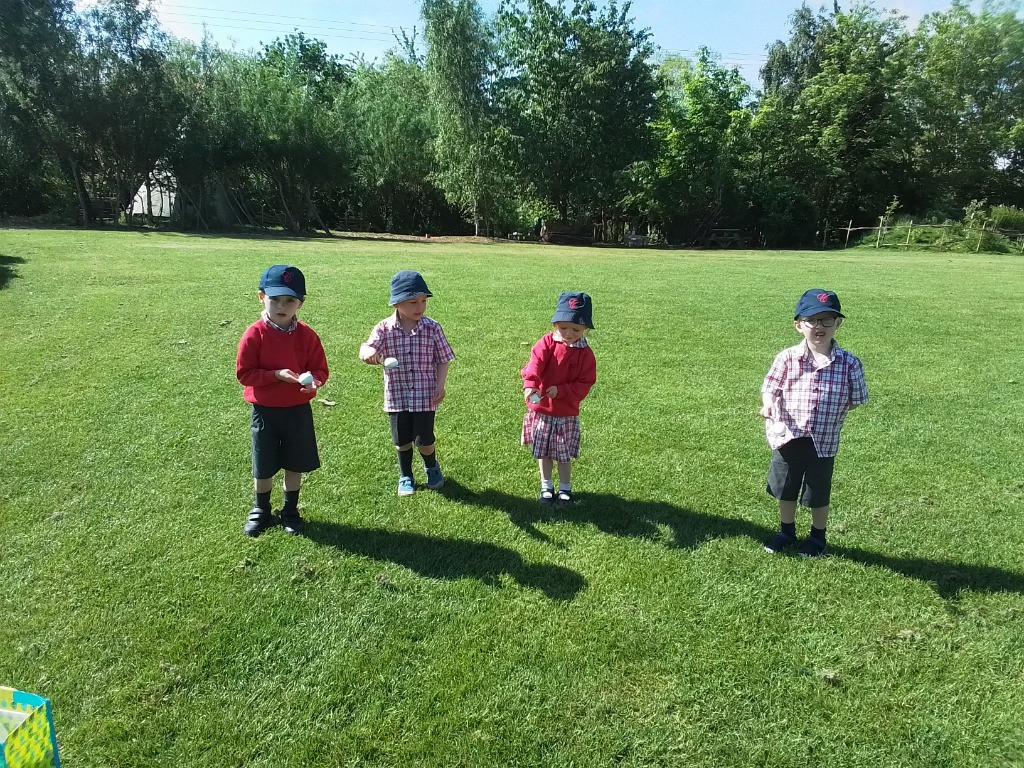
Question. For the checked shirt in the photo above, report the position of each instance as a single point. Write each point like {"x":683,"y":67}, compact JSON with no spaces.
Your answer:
{"x":410,"y":386}
{"x":813,"y":401}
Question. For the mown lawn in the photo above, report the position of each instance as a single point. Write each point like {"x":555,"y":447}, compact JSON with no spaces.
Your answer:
{"x":646,"y":626}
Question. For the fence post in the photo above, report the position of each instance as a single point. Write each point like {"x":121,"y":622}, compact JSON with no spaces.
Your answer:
{"x":909,"y":230}
{"x":981,"y":236}
{"x":848,"y":228}
{"x":824,"y":237}
{"x":879,"y":238}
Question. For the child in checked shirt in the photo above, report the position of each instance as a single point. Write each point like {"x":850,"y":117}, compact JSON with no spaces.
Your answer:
{"x":414,"y":380}
{"x":561,"y":371}
{"x":805,"y":398}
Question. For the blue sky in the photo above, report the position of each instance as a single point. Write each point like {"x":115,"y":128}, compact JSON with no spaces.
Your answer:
{"x":739,"y":31}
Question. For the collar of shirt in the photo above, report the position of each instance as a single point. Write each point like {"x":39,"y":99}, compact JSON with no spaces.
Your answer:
{"x":580,"y":343}
{"x":291,"y":326}
{"x":807,"y":354}
{"x":393,"y":322}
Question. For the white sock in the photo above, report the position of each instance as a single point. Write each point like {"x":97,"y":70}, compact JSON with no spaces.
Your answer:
{"x":567,"y":487}
{"x":547,"y":485}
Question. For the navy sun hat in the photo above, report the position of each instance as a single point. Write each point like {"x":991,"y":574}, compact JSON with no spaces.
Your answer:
{"x":282,"y":280}
{"x":407,"y":285}
{"x":574,"y":308}
{"x":817,"y":300}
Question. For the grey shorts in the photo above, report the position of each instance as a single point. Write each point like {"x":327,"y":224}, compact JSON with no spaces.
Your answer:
{"x":412,"y":426}
{"x":283,"y":438}
{"x":797,"y":473}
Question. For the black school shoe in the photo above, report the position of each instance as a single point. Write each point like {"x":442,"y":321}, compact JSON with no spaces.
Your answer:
{"x":259,"y":520}
{"x":547,"y":497}
{"x":780,"y":542}
{"x":563,"y":498}
{"x":812,"y":547}
{"x":292,"y":522}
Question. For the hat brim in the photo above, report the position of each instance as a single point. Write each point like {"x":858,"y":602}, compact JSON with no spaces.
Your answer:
{"x":406,"y":296}
{"x":819,"y":312}
{"x":571,"y":317}
{"x":277,"y":290}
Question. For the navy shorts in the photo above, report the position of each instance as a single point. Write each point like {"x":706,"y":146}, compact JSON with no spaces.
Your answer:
{"x":412,"y":427}
{"x":283,"y":438}
{"x":797,"y":473}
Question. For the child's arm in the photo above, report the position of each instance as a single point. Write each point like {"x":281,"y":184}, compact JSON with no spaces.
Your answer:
{"x":579,"y":388}
{"x":369,"y":354}
{"x":858,"y":386}
{"x":771,"y":389}
{"x":316,"y":364}
{"x":442,"y":377}
{"x":369,"y":350}
{"x":247,"y":363}
{"x":532,"y":372}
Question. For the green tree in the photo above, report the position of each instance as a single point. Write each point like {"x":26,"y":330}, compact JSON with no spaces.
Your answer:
{"x":577,"y":93}
{"x":395,"y":141}
{"x":832,"y":138}
{"x":701,"y":131}
{"x":457,"y":68}
{"x":40,"y":65}
{"x":968,"y":94}
{"x":134,"y":111}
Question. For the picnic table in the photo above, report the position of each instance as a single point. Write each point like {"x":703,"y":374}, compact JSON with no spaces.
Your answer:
{"x":634,"y":240}
{"x":726,"y":238}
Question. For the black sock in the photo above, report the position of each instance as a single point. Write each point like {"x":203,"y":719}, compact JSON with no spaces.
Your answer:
{"x":789,"y":529}
{"x":405,"y":463}
{"x":291,"y":501}
{"x":263,"y":500}
{"x":429,"y":459}
{"x":818,"y":533}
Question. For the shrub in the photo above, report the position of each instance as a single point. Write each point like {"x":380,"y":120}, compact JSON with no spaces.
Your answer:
{"x":1007,"y":217}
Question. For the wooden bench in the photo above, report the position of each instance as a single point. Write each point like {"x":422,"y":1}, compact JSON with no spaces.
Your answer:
{"x":634,"y":240}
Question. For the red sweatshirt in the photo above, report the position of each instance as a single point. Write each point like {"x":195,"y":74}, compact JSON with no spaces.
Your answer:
{"x":264,"y":350}
{"x":572,"y":369}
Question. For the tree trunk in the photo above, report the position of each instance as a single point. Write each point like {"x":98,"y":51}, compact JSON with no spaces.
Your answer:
{"x":84,"y":203}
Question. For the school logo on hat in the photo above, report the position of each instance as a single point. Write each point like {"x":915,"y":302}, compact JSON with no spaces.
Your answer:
{"x":574,"y":308}
{"x":283,"y":280}
{"x":815,"y":301}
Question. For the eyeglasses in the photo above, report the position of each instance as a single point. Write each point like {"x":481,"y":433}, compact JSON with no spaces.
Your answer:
{"x":824,"y":322}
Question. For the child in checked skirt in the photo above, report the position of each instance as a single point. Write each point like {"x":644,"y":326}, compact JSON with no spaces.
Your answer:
{"x":561,"y":371}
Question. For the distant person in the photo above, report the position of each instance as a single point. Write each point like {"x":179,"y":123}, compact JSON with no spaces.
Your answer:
{"x":805,"y":398}
{"x":537,"y":227}
{"x":415,"y":354}
{"x":561,"y":371}
{"x":273,"y":354}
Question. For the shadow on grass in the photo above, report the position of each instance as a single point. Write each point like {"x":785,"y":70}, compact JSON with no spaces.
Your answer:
{"x":439,"y":558}
{"x":8,"y":272}
{"x":648,"y":519}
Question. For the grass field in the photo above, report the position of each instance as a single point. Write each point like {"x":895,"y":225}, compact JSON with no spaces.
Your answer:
{"x":646,"y":626}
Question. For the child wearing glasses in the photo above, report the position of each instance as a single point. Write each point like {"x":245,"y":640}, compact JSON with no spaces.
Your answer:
{"x":805,"y":398}
{"x":561,"y":371}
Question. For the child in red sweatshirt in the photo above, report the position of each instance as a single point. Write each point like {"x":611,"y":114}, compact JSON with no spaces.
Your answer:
{"x":561,"y":371}
{"x":281,"y":363}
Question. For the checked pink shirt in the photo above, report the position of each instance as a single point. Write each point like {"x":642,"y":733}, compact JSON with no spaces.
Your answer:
{"x":409,"y":387}
{"x":813,"y":402}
